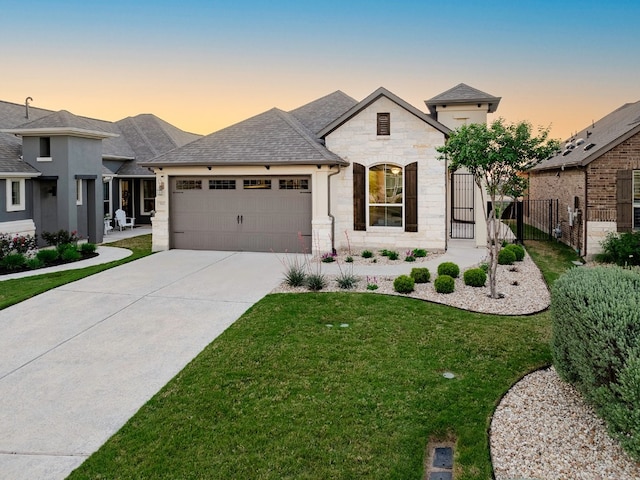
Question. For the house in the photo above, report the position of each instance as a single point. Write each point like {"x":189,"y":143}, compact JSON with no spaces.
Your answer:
{"x":596,"y":179}
{"x":62,"y":171}
{"x":330,"y":174}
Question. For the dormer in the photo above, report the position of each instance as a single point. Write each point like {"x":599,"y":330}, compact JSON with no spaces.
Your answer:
{"x":462,"y":105}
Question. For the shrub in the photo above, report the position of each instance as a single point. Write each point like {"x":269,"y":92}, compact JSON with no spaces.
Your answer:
{"x":47,"y":256}
{"x":366,"y":254}
{"x":69,"y":252}
{"x":518,"y":251}
{"x":449,"y":268}
{"x":506,"y":257}
{"x":419,"y":252}
{"x":420,"y":275}
{"x":13,"y":261}
{"x":475,"y":277}
{"x":295,"y":274}
{"x":11,"y":243}
{"x":484,"y":267}
{"x":403,"y":284}
{"x":409,"y":258}
{"x":444,"y":284}
{"x":316,"y":282}
{"x":60,"y":237}
{"x":621,"y":249}
{"x":34,"y":263}
{"x":384,"y":252}
{"x":596,"y":344}
{"x":87,"y":247}
{"x":328,"y":257}
{"x":346,"y":280}
{"x":349,"y":259}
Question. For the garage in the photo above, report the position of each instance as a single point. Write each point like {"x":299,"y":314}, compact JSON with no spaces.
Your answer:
{"x":259,"y":214}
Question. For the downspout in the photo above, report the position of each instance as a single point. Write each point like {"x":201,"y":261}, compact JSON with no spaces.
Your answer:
{"x":584,"y":216}
{"x":333,"y":219}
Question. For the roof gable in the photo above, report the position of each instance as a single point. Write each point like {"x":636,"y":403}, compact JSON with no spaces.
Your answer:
{"x":381,"y":92}
{"x":62,"y":123}
{"x":462,"y":94}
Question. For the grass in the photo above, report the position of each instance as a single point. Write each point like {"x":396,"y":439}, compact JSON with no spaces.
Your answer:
{"x":552,"y":257}
{"x":281,"y":395}
{"x":17,"y":290}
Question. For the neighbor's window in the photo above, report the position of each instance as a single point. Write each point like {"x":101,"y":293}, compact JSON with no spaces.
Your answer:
{"x":15,"y":194}
{"x":385,"y":196}
{"x":78,"y":191}
{"x":636,"y":199}
{"x":188,"y":184}
{"x":256,"y":184}
{"x":384,"y":124}
{"x":148,"y":195}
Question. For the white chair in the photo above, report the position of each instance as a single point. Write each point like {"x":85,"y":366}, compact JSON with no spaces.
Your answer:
{"x":107,"y":225}
{"x":124,"y":221}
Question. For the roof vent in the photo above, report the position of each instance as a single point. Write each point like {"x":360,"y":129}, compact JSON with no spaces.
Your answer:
{"x":579,"y":141}
{"x":589,"y":146}
{"x":566,"y":152}
{"x":569,"y":146}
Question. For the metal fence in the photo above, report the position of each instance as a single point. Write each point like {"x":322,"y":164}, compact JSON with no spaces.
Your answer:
{"x":532,"y":219}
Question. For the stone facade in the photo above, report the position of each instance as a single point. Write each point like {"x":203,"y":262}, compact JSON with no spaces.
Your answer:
{"x":411,"y":140}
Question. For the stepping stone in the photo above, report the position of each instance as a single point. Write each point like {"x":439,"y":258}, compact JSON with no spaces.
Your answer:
{"x":441,"y":476}
{"x":443,"y":457}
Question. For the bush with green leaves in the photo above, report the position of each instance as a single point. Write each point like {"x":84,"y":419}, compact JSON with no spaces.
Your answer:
{"x":596,"y":344}
{"x":444,"y":284}
{"x":34,"y":263}
{"x":449,"y":268}
{"x":484,"y":266}
{"x":61,"y":237}
{"x":506,"y":257}
{"x":621,"y":248}
{"x":518,"y":251}
{"x":420,"y":274}
{"x":392,"y":255}
{"x":403,"y":284}
{"x":474,"y":277}
{"x":366,"y":254}
{"x":69,"y":252}
{"x":11,"y":243}
{"x":419,"y":252}
{"x":88,"y":248}
{"x":13,"y":261}
{"x":316,"y":282}
{"x":347,"y":280}
{"x":47,"y":255}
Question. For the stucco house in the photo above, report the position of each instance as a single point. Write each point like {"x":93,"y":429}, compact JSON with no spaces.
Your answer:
{"x":62,"y":171}
{"x":596,"y":178}
{"x":330,"y":174}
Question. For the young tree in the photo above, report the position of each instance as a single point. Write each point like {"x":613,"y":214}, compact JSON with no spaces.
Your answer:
{"x":496,"y":155}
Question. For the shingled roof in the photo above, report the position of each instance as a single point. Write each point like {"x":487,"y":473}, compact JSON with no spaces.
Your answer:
{"x":270,"y":138}
{"x":318,"y":114}
{"x":596,"y":139}
{"x":462,"y":94}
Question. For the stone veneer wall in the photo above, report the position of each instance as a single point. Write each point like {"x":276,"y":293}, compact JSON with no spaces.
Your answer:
{"x":411,"y":140}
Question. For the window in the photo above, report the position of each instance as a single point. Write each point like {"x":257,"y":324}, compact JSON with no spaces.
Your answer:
{"x":258,"y":184}
{"x":188,"y":184}
{"x":78,"y":191}
{"x":148,"y":195}
{"x":15,"y":194}
{"x":294,"y":184}
{"x":384,"y":124}
{"x":106,"y":196}
{"x":636,"y":199}
{"x":385,"y":196}
{"x":45,"y":149}
{"x":222,"y":184}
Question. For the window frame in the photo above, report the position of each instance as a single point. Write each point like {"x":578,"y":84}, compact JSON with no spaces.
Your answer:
{"x":21,"y":205}
{"x":143,"y":198}
{"x":399,"y":183}
{"x":78,"y":191}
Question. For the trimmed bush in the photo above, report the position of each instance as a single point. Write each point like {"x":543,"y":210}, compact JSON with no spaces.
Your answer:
{"x":13,"y":261}
{"x":47,"y":256}
{"x":403,"y":284}
{"x":392,"y":255}
{"x":518,"y":251}
{"x":475,"y":277}
{"x":449,"y":268}
{"x":506,"y":257}
{"x":596,"y":344}
{"x":34,"y":263}
{"x":444,"y":284}
{"x":69,"y":252}
{"x":420,"y":275}
{"x":419,"y":252}
{"x":366,"y":254}
{"x":87,"y":247}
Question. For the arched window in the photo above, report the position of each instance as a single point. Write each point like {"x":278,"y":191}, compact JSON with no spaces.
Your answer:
{"x":386,"y":196}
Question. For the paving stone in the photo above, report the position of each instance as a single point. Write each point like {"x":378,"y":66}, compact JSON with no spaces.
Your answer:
{"x":441,"y":476}
{"x":443,"y":457}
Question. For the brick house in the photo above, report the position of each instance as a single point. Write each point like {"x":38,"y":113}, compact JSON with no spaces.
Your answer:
{"x":596,"y":179}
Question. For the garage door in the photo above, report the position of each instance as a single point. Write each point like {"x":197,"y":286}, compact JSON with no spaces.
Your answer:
{"x":259,"y":214}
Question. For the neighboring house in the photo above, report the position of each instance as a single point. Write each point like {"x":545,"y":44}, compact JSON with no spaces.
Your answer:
{"x":328,"y":175}
{"x":62,"y":171}
{"x":596,"y":178}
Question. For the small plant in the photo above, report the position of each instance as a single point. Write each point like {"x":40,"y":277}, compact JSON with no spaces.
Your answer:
{"x":449,"y":268}
{"x":372,"y":283}
{"x":403,"y":284}
{"x":295,"y":275}
{"x":88,"y":248}
{"x":474,"y":277}
{"x":420,"y":275}
{"x":392,"y":255}
{"x":409,"y":257}
{"x":349,"y":259}
{"x":419,"y":252}
{"x":444,"y":284}
{"x":384,"y":252}
{"x":484,"y":267}
{"x":347,"y":280}
{"x":518,"y":250}
{"x":506,"y":257}
{"x":47,"y":256}
{"x":13,"y":261}
{"x":366,"y":254}
{"x":69,"y":252}
{"x":328,"y":257}
{"x":316,"y":282}
{"x":34,"y":263}
{"x":621,"y":248}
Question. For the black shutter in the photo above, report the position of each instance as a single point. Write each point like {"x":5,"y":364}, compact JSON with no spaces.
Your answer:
{"x":624,"y":197}
{"x":411,"y":197}
{"x":384,"y":124}
{"x":359,"y":198}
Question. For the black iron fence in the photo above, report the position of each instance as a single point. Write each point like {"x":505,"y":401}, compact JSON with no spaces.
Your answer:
{"x":532,"y":219}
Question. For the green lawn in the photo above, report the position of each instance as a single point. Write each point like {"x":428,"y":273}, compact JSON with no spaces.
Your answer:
{"x":280,"y":395}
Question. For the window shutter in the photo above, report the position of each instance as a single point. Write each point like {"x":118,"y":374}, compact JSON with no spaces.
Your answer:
{"x":384,"y":124}
{"x":624,"y":196}
{"x":411,"y":197}
{"x":359,"y":197}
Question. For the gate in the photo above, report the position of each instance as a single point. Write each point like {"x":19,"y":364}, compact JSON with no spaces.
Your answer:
{"x":537,"y":219}
{"x":462,"y":205}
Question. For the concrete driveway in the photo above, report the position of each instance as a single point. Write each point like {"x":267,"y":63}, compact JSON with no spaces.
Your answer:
{"x":78,"y":361}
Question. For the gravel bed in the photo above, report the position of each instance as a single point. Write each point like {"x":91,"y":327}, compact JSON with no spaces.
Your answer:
{"x":523,"y":289}
{"x":542,"y":429}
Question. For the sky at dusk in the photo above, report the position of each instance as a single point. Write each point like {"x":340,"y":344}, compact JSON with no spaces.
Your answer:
{"x":204,"y":65}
